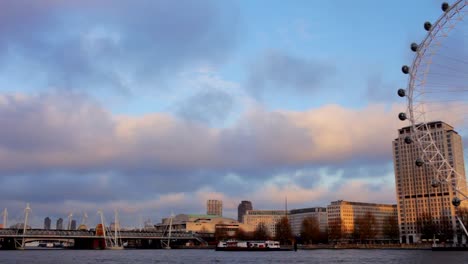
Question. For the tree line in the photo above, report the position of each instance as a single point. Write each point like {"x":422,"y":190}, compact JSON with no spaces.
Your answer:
{"x":365,"y":229}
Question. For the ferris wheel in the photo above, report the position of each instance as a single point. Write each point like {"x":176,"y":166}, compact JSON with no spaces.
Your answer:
{"x":437,"y":90}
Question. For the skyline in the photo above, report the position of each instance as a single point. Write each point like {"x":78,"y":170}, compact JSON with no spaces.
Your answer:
{"x":157,"y":106}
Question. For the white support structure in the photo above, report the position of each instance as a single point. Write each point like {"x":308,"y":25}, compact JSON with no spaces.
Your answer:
{"x":167,"y":244}
{"x":25,"y":224}
{"x":70,"y":215}
{"x":112,"y":239}
{"x":116,"y":241}
{"x":84,"y":219}
{"x":5,"y":218}
{"x":462,"y":225}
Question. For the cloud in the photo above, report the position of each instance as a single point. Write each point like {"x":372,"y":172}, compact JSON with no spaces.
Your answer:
{"x":65,"y":149}
{"x":123,"y":45}
{"x":211,"y":107}
{"x":277,"y":70}
{"x":70,"y":131}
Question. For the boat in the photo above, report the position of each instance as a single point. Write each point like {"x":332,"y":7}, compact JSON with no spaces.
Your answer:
{"x":253,"y":245}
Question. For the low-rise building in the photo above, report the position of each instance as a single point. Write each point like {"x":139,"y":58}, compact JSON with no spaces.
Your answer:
{"x":297,"y":216}
{"x":268,"y":217}
{"x":344,"y":215}
{"x":202,"y":224}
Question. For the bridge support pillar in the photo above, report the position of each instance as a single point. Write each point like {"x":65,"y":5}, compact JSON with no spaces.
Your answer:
{"x":7,"y":244}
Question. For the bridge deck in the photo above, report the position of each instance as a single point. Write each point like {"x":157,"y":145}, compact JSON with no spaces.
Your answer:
{"x":70,"y":234}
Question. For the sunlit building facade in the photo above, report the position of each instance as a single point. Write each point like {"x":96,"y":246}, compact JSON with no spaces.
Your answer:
{"x":297,"y":216}
{"x":417,"y":198}
{"x":202,"y":224}
{"x":214,"y":207}
{"x":268,"y":217}
{"x":346,"y":213}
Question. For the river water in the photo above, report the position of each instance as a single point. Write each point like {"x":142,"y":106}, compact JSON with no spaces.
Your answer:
{"x":348,"y":256}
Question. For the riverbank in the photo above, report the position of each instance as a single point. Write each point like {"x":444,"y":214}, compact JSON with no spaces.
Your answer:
{"x":337,"y":246}
{"x":366,"y":246}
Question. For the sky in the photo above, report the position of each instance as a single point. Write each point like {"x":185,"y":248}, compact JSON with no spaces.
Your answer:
{"x":154,"y":107}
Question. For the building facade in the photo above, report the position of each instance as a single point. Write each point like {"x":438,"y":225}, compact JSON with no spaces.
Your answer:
{"x":202,"y":224}
{"x":296,"y":216}
{"x":418,"y":201}
{"x":47,"y":223}
{"x":214,"y":207}
{"x":268,"y":217}
{"x":345,"y":214}
{"x":243,"y":207}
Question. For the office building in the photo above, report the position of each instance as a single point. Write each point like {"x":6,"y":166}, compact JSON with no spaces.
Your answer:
{"x":202,"y":224}
{"x":214,"y":207}
{"x":59,"y":225}
{"x":243,"y":207}
{"x":73,"y":224}
{"x":268,"y":217}
{"x":297,"y":216}
{"x":47,"y":223}
{"x":345,"y":214}
{"x":416,"y":197}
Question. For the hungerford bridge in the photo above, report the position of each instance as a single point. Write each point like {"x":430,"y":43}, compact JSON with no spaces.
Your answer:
{"x":85,"y":239}
{"x":103,"y":237}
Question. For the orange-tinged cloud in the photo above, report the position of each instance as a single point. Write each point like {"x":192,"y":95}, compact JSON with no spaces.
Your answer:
{"x":85,"y":136}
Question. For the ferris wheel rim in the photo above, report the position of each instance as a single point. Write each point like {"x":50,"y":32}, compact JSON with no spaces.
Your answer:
{"x":422,"y":62}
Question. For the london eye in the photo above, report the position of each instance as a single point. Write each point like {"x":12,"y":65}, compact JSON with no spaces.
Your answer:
{"x":437,"y":89}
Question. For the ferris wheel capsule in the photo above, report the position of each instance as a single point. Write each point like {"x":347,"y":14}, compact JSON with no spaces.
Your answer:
{"x":405,"y":69}
{"x":414,"y":47}
{"x":456,"y":201}
{"x":401,"y":92}
{"x":408,"y":140}
{"x":419,"y":162}
{"x":445,"y":6}
{"x":427,"y":26}
{"x":402,"y":116}
{"x":435,"y":183}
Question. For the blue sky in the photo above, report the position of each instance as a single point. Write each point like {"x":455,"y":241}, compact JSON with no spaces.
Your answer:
{"x":156,"y":106}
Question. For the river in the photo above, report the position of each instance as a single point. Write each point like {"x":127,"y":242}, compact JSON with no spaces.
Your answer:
{"x":348,"y":256}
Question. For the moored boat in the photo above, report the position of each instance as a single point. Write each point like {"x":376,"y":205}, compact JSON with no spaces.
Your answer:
{"x":254,"y":245}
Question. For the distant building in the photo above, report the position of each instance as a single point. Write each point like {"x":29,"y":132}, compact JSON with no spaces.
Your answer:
{"x":214,"y":207}
{"x":148,"y":224}
{"x":268,"y":217}
{"x":243,"y":207}
{"x":417,"y":199}
{"x":297,"y":216}
{"x":47,"y":223}
{"x":344,"y":214}
{"x":59,"y":225}
{"x":19,"y":226}
{"x":202,"y":224}
{"x":73,"y":225}
{"x":1,"y":226}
